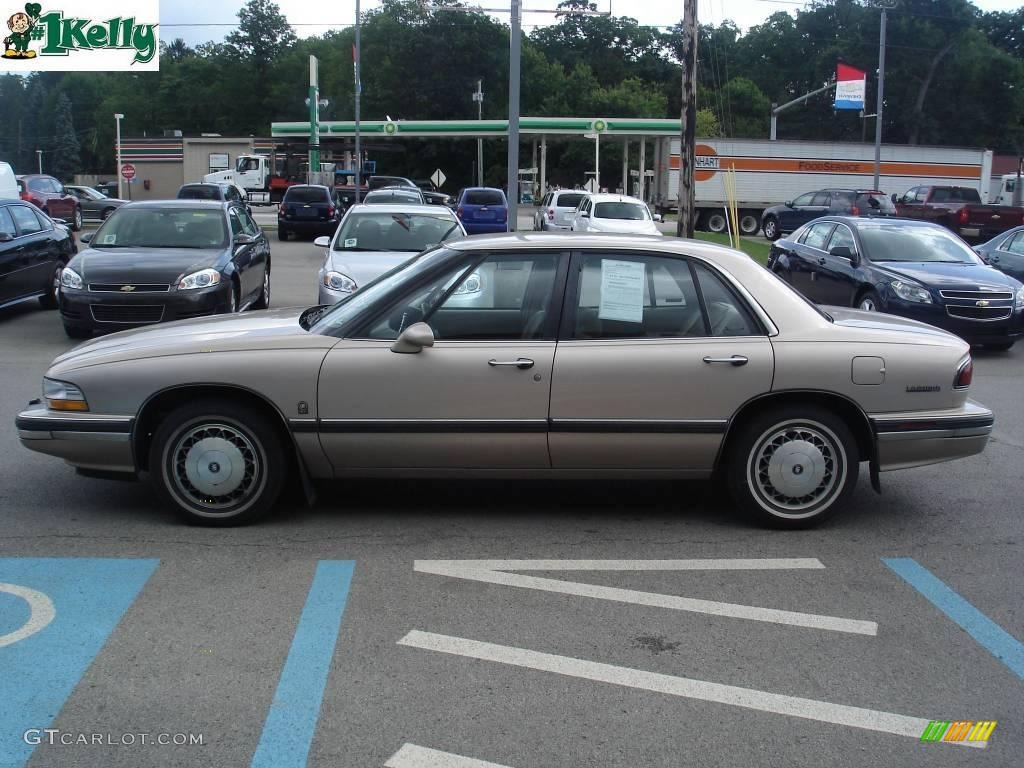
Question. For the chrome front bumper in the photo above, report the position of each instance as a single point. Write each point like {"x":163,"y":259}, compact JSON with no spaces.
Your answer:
{"x":86,"y":440}
{"x":918,"y":438}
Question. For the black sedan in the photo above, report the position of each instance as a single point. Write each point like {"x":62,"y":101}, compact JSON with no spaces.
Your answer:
{"x":163,"y":260}
{"x":781,"y":219}
{"x":33,"y":250}
{"x":910,"y":268}
{"x":1005,"y":252}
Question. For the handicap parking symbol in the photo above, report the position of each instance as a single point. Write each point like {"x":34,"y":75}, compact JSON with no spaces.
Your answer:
{"x":55,"y":616}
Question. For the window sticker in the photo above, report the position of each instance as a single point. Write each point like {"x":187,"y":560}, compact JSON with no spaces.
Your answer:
{"x":622,"y":291}
{"x":110,"y":239}
{"x":351,"y":242}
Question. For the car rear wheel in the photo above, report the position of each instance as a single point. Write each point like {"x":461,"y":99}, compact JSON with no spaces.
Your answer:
{"x":771,"y":228}
{"x":50,"y":300}
{"x":76,"y":219}
{"x":869,"y":302}
{"x":793,"y":467}
{"x":217,"y":463}
{"x":263,"y":302}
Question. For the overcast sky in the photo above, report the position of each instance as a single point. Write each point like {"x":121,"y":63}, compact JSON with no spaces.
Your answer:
{"x":213,"y":19}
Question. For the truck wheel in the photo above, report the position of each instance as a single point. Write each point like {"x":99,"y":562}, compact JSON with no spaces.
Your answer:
{"x":716,"y":222}
{"x":749,"y":223}
{"x":771,"y":228}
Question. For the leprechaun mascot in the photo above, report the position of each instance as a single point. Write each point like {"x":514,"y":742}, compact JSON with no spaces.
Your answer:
{"x":21,"y":24}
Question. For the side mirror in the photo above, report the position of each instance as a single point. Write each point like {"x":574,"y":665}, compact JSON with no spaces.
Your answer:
{"x":845,"y":252}
{"x":584,"y":215}
{"x":895,"y":199}
{"x":657,"y":217}
{"x":322,"y":242}
{"x":6,"y":237}
{"x":413,"y":339}
{"x":85,"y":238}
{"x":788,"y":203}
{"x":244,"y":239}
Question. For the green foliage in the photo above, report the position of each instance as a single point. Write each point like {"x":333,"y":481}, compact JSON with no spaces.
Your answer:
{"x":64,"y":160}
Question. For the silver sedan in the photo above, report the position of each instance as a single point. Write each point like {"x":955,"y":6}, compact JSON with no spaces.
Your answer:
{"x":518,"y":356}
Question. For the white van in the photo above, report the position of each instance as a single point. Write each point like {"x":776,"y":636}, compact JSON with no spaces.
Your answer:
{"x":8,"y":184}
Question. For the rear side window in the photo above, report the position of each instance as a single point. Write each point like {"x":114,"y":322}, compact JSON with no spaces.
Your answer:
{"x":727,"y":314}
{"x":821,"y":198}
{"x":26,"y":219}
{"x":38,"y":185}
{"x":817,"y":235}
{"x":7,"y":223}
{"x":570,"y":200}
{"x":306,"y":195}
{"x":483,"y":197}
{"x":842,"y":200}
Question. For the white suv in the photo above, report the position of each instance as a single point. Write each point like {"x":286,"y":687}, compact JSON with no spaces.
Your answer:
{"x":557,"y":209}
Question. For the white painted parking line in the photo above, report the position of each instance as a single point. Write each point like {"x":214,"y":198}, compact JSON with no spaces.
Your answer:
{"x":748,"y":698}
{"x":412,"y":756}
{"x":41,"y":613}
{"x":496,"y":572}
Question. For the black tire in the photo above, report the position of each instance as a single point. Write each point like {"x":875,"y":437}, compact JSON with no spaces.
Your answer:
{"x":282,"y":234}
{"x":757,"y":471}
{"x":187,"y":456}
{"x":76,"y":219}
{"x":771,"y":228}
{"x":263,"y":302}
{"x":716,"y":222}
{"x":749,"y":223}
{"x":105,"y":213}
{"x":51,"y":299}
{"x":868,"y":301}
{"x":1002,"y":346}
{"x":77,"y":332}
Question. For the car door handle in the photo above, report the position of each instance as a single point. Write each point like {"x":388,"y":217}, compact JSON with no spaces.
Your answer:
{"x":522,"y":363}
{"x":821,"y":260}
{"x":736,"y":360}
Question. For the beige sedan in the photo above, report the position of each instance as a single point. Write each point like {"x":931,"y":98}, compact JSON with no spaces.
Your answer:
{"x":517,"y":356}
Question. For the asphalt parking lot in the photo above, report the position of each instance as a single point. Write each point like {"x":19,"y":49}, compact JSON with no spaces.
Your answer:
{"x":613,"y":625}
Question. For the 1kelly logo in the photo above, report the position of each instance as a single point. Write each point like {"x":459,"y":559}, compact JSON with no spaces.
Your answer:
{"x":42,"y":37}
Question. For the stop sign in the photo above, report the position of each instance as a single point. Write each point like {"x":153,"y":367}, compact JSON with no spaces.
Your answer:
{"x":128,"y":171}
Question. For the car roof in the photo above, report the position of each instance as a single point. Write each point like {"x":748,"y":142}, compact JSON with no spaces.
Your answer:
{"x":176,"y":203}
{"x":307,"y":186}
{"x":483,"y":189}
{"x":871,"y":221}
{"x":606,"y":197}
{"x":402,"y":208}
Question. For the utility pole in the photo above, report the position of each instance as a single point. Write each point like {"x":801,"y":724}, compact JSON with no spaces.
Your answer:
{"x":478,"y":97}
{"x":358,"y":90}
{"x":513,"y":116}
{"x":117,"y":128}
{"x":314,"y":115}
{"x":883,"y":4}
{"x":685,"y":222}
{"x":39,"y":157}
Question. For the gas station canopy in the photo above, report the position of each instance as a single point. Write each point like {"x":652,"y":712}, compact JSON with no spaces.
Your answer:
{"x":471,"y":129}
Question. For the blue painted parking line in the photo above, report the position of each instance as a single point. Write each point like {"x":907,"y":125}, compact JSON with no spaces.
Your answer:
{"x":990,"y":635}
{"x":56,"y":615}
{"x":291,"y":723}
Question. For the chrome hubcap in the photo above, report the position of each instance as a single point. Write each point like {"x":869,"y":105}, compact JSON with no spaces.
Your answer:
{"x":795,"y":467}
{"x":215,"y":467}
{"x":867,"y":304}
{"x":266,"y":287}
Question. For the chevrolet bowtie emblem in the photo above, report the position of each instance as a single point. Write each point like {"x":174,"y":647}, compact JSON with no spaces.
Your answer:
{"x":128,"y":288}
{"x":983,"y":303}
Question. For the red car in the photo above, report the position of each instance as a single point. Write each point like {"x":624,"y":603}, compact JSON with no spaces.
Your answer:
{"x":49,"y":194}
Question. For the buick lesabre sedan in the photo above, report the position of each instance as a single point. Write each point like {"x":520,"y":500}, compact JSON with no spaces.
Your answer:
{"x":536,"y":355}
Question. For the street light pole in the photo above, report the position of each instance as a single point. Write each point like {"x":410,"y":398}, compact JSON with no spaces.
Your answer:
{"x":881,"y":87}
{"x":39,"y":157}
{"x":117,"y":125}
{"x":359,"y":90}
{"x":513,"y":117}
{"x":478,"y":97}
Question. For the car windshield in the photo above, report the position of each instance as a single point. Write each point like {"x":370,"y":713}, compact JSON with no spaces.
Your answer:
{"x":568,"y":201}
{"x":483,"y":197}
{"x":413,"y":232}
{"x":630,"y":211}
{"x":335,"y":317}
{"x":306,"y":195}
{"x":200,"y":192}
{"x":915,"y":243}
{"x":162,"y":228}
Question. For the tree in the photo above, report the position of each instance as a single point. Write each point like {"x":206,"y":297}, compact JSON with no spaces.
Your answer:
{"x":176,"y":50}
{"x":263,"y":33}
{"x":64,"y":153}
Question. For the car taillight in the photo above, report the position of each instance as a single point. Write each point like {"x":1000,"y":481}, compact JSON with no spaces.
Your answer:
{"x":855,"y":211}
{"x":964,"y":215}
{"x":551,"y":214}
{"x":27,"y":196}
{"x":964,"y":374}
{"x":330,"y":212}
{"x":460,"y":212}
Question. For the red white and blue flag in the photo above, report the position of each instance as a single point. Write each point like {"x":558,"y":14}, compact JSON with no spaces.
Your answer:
{"x":850,"y":86}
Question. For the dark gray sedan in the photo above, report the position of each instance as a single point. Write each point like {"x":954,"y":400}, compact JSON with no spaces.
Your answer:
{"x":1005,"y":252}
{"x":95,"y":205}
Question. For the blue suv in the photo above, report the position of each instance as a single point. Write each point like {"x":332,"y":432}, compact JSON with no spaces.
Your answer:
{"x":482,"y":210}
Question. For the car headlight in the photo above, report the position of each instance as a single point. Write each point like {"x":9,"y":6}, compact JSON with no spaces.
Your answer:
{"x":339,"y":282}
{"x":62,"y":396}
{"x":204,"y":278}
{"x":70,"y":279}
{"x":1018,"y":301}
{"x":471,"y":284}
{"x":911,"y":292}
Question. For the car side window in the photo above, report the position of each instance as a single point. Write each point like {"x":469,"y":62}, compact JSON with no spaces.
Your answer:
{"x":629,"y":296}
{"x":7,"y":223}
{"x":727,"y":313}
{"x":1016,"y":244}
{"x":817,"y":234}
{"x":843,"y":236}
{"x":910,"y":196}
{"x":26,"y":219}
{"x":804,"y":199}
{"x":822,"y":199}
{"x":44,"y":223}
{"x":248,"y":225}
{"x":38,"y":185}
{"x":922,"y":195}
{"x":236,"y":222}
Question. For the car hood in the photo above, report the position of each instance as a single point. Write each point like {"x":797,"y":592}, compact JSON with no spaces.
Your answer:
{"x":142,"y":265}
{"x":366,"y":266}
{"x":271,"y":329}
{"x":938,"y":275}
{"x":625,"y":226}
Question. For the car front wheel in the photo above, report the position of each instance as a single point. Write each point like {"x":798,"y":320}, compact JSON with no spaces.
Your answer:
{"x":76,"y":219}
{"x":217,"y":463}
{"x":793,"y":467}
{"x":869,"y":302}
{"x":771,"y":228}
